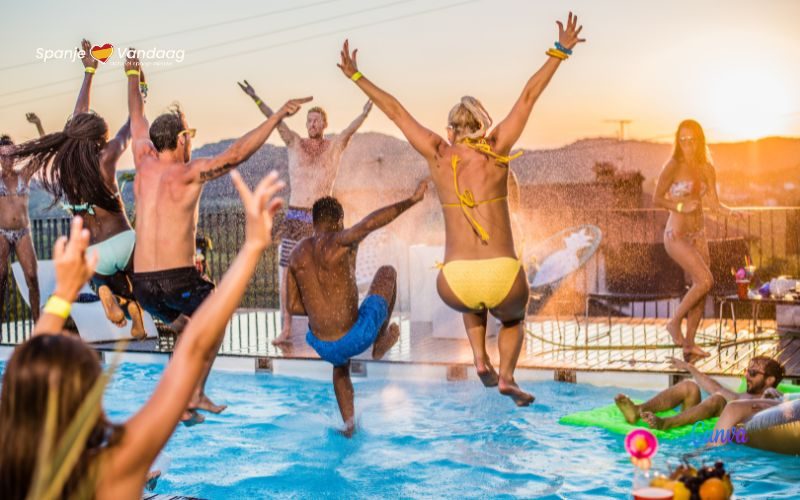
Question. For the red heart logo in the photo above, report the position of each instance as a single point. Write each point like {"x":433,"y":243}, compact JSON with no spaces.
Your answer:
{"x":102,"y":52}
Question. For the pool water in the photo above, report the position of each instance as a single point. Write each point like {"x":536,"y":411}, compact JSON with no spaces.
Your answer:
{"x":278,"y":439}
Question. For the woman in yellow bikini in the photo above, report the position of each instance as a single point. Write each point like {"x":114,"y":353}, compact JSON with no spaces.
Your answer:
{"x":686,"y":179}
{"x":482,"y":272}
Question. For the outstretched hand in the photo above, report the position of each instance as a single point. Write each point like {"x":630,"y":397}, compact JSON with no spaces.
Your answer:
{"x":568,"y":37}
{"x":33,"y":118}
{"x":349,"y":63}
{"x":87,"y":59}
{"x":132,"y":61}
{"x":292,"y":106}
{"x":678,"y":364}
{"x":419,"y":194}
{"x":247,"y":89}
{"x":259,"y":207}
{"x":73,"y":268}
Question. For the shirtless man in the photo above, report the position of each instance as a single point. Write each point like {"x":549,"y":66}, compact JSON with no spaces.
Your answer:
{"x":313,"y":165}
{"x":763,"y":375}
{"x":167,"y":193}
{"x":322,"y":286}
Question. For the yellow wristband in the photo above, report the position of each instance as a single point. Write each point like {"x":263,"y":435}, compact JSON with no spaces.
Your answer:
{"x":90,"y":70}
{"x":680,"y":207}
{"x":356,"y":76}
{"x":258,"y":102}
{"x":557,"y":53}
{"x":58,"y":306}
{"x":132,"y":72}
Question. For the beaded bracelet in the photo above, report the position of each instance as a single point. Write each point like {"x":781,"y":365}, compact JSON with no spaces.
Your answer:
{"x":563,"y":49}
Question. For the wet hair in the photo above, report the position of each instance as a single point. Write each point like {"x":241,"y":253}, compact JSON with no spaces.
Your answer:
{"x":40,"y":364}
{"x":327,"y":210}
{"x":165,"y":129}
{"x":469,"y":119}
{"x":772,"y":368}
{"x":5,"y":140}
{"x":317,"y":109}
{"x":702,"y":154}
{"x":71,"y":162}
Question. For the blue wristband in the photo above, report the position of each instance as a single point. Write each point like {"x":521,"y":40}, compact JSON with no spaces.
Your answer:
{"x":563,"y":49}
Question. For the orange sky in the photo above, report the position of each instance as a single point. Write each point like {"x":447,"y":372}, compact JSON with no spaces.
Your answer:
{"x":732,"y":65}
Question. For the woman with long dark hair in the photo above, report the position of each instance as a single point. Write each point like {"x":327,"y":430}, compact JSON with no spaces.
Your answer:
{"x":15,"y":226}
{"x":482,"y":272}
{"x":114,"y":459}
{"x":80,"y":169}
{"x":686,"y":180}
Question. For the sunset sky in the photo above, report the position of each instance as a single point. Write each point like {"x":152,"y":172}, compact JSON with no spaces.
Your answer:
{"x":733,"y":65}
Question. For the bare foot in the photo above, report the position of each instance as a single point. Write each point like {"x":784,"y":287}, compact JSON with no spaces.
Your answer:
{"x":179,"y":324}
{"x":695,"y":350}
{"x":191,"y":418}
{"x":385,"y":341}
{"x":675,"y":332}
{"x":111,"y":307}
{"x":512,"y":390}
{"x":628,"y":408}
{"x":487,"y":374}
{"x":152,"y":480}
{"x":286,"y":334}
{"x":137,"y":328}
{"x":653,"y":421}
{"x":206,"y":404}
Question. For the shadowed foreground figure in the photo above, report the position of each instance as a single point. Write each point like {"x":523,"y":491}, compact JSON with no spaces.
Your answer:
{"x":762,"y":376}
{"x":322,"y":286}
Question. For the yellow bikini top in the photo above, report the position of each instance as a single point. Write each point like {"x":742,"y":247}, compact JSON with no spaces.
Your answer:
{"x":466,"y":200}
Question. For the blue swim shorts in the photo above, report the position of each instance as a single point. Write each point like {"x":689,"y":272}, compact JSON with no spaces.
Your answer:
{"x":371,"y":316}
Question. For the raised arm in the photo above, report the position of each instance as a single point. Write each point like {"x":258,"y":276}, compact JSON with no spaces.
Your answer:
{"x":705,"y":382}
{"x":288,"y":135}
{"x":380,"y":218}
{"x":34,"y":119}
{"x":114,"y":149}
{"x":139,"y":126}
{"x":423,"y":140}
{"x":507,"y":132}
{"x":89,"y":68}
{"x":343,"y":139}
{"x":73,"y":269}
{"x":147,"y":432}
{"x":207,"y":169}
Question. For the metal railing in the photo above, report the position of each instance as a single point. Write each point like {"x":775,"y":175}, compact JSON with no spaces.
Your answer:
{"x":772,"y":236}
{"x":225,"y":229}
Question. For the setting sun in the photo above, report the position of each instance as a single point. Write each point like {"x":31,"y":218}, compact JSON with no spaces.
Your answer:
{"x":748,"y":103}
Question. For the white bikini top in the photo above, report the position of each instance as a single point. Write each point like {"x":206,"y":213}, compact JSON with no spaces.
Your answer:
{"x":22,"y":188}
{"x":680,"y":189}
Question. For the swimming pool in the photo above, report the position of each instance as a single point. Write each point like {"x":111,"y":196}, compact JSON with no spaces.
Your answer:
{"x":278,"y":439}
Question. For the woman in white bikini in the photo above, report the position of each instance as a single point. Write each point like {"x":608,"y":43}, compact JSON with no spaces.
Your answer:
{"x":686,"y":180}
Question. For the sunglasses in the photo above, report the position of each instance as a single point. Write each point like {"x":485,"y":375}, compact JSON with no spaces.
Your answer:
{"x":688,"y":139}
{"x":753,"y":373}
{"x":189,"y":131}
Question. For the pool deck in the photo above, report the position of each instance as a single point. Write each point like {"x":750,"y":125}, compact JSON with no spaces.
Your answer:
{"x":558,"y":346}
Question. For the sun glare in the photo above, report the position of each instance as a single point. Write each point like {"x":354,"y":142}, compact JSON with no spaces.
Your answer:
{"x":748,"y":103}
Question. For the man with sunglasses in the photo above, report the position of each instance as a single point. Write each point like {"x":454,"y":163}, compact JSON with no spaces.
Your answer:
{"x":167,"y":192}
{"x":313,"y":166}
{"x":762,"y":376}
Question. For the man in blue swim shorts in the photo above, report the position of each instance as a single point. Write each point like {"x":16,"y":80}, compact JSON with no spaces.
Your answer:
{"x":322,"y":286}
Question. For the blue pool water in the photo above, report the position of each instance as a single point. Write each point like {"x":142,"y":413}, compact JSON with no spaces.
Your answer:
{"x":278,"y":439}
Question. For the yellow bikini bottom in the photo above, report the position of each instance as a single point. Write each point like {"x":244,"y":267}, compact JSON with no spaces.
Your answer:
{"x":481,"y":283}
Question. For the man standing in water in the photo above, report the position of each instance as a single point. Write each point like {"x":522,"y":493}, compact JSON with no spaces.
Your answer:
{"x":167,"y":192}
{"x":322,"y":285}
{"x":313,"y":165}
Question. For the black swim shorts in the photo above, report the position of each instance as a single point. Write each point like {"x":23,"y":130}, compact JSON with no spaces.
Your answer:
{"x":169,"y":293}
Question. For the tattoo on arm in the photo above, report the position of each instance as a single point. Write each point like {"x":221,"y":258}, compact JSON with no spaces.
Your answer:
{"x":212,"y":174}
